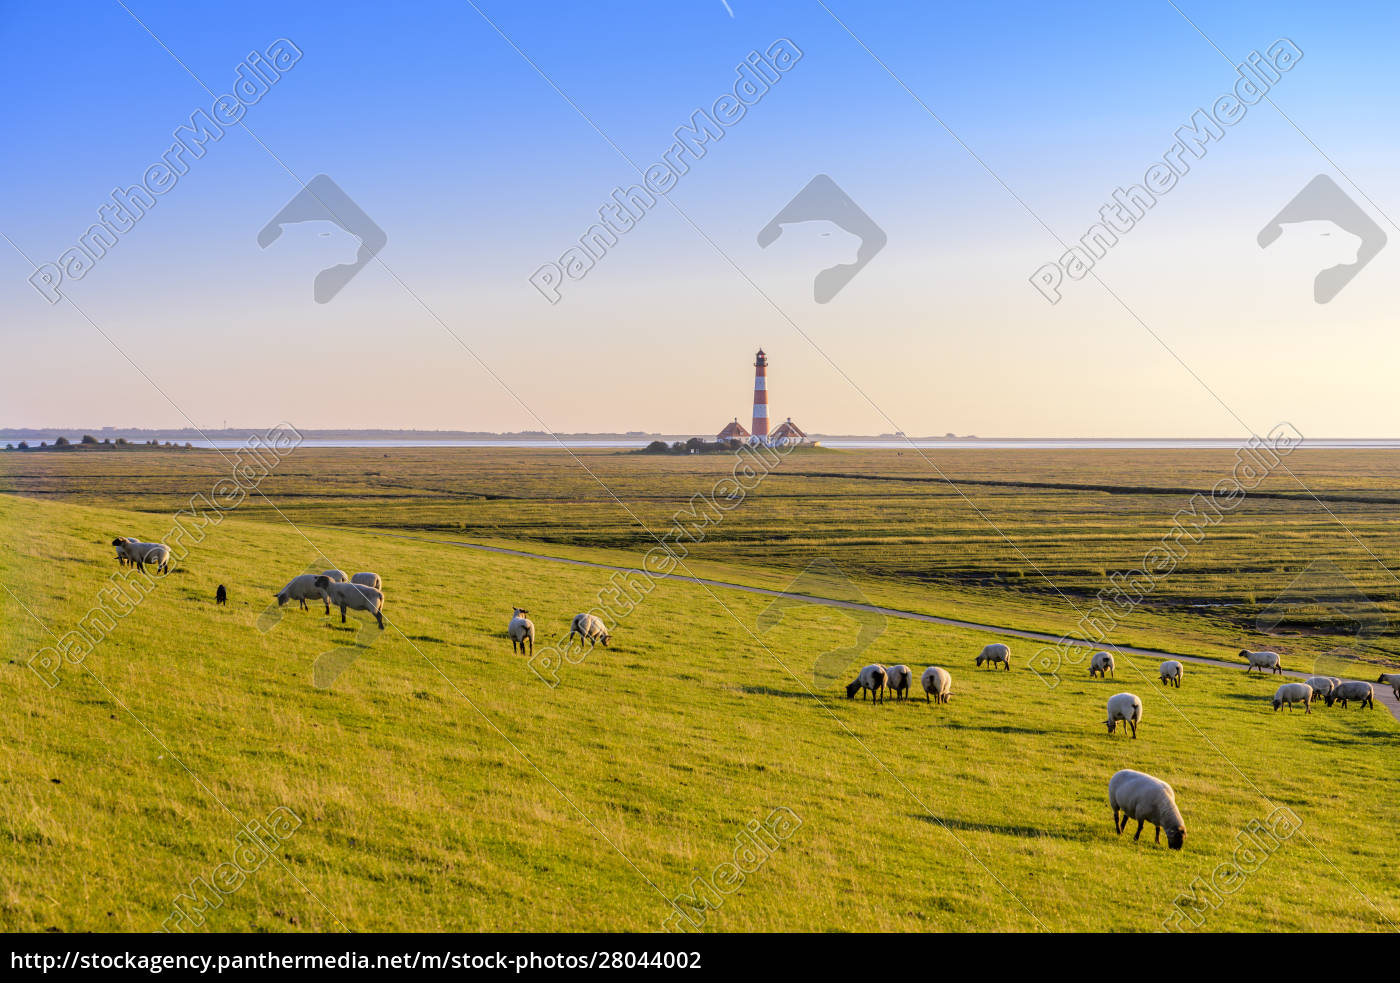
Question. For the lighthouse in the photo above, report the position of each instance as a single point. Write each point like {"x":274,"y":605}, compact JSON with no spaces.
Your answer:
{"x":760,"y":398}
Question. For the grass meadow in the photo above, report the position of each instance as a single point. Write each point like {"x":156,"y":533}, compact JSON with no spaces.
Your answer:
{"x":440,"y":785}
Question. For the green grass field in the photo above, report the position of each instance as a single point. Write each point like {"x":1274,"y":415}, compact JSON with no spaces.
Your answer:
{"x":440,"y":785}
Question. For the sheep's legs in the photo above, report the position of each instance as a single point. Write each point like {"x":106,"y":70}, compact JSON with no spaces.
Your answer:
{"x":1117,"y":826}
{"x":1158,"y":837}
{"x":1139,"y":829}
{"x":1133,"y":724}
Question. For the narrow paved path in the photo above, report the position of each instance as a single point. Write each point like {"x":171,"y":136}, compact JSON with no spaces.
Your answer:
{"x":1384,"y":694}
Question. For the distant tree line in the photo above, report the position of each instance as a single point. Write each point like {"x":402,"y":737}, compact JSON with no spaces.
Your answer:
{"x":89,"y":442}
{"x":695,"y":445}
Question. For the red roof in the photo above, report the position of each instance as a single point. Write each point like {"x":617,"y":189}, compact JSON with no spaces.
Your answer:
{"x":788,"y":429}
{"x":733,"y":431}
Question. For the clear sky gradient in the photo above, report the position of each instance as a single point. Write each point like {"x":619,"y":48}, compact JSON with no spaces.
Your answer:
{"x":479,"y":170}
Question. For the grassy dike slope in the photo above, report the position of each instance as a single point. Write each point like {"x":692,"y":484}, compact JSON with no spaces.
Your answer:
{"x":442,"y":786}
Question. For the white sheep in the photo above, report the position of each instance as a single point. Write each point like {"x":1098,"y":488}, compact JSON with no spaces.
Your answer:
{"x":994,"y":654}
{"x":1127,"y":708}
{"x":1352,"y":690}
{"x":1292,"y":693}
{"x":521,"y":631}
{"x":938,"y":684}
{"x":356,"y":597}
{"x":300,"y":589}
{"x":1148,"y":800}
{"x":1101,"y":665}
{"x":336,"y":576}
{"x":1262,"y":661}
{"x":871,"y":678}
{"x":899,"y":679}
{"x":1170,"y":672}
{"x":368,"y":580}
{"x":139,"y":553}
{"x":1391,"y":679}
{"x":588,"y":627}
{"x":1321,"y":686}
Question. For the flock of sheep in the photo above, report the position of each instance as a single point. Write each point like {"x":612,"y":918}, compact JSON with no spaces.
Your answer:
{"x":521,"y":630}
{"x":1131,"y":794}
{"x":361,"y":592}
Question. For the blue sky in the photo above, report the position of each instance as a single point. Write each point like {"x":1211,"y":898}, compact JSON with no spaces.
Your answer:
{"x":479,"y":172}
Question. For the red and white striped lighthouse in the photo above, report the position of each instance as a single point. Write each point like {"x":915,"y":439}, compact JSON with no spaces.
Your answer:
{"x":760,"y":398}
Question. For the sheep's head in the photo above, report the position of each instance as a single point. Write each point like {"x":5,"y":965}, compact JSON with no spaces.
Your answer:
{"x":119,"y":540}
{"x":1244,"y":653}
{"x":1176,"y":835}
{"x":519,"y":612}
{"x":605,"y":638}
{"x":1277,"y":703}
{"x":1112,"y":725}
{"x":851,"y":690}
{"x":1331,"y":698}
{"x":322,"y":582}
{"x":281,"y":599}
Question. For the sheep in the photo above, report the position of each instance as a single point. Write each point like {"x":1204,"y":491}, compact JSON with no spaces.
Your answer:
{"x":871,"y":678}
{"x":588,"y":627}
{"x":1391,"y":679}
{"x":221,"y":595}
{"x":1352,"y":690}
{"x":1127,"y":708}
{"x":1321,"y":686}
{"x":303,"y":587}
{"x":1291,"y":693}
{"x":1170,"y":672}
{"x":899,"y":679}
{"x":1101,"y":665}
{"x":1262,"y":661}
{"x":937,"y":682}
{"x":356,"y":597}
{"x":994,"y":654}
{"x":1149,"y":800}
{"x":139,"y":553}
{"x":336,"y":576}
{"x":368,"y":580}
{"x":521,"y":630}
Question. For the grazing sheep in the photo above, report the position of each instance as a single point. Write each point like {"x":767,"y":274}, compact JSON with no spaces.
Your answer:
{"x":899,"y":679}
{"x":139,"y":553}
{"x":302,"y":587}
{"x":1321,"y":686}
{"x":336,"y":576}
{"x":356,"y":597}
{"x":368,"y":580}
{"x":938,"y":684}
{"x":1148,"y":800}
{"x":589,"y":628}
{"x":1391,"y":679}
{"x":1127,"y":708}
{"x":221,"y":595}
{"x":1170,"y":672}
{"x":996,"y":653}
{"x":1262,"y":661}
{"x":521,"y":631}
{"x":1352,"y":690}
{"x":871,"y":678}
{"x":1101,"y":665}
{"x":1291,"y":693}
